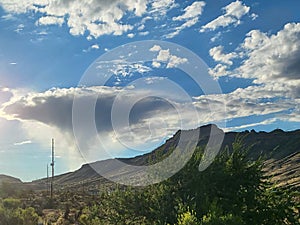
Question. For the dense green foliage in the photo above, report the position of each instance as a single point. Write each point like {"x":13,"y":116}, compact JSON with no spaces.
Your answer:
{"x":231,"y":191}
{"x":11,"y":213}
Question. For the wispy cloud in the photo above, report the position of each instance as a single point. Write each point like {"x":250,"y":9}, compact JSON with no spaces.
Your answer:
{"x":8,"y":17}
{"x":160,"y":8}
{"x":190,"y":17}
{"x":245,"y":126}
{"x":20,"y":28}
{"x":232,"y":16}
{"x":23,"y":143}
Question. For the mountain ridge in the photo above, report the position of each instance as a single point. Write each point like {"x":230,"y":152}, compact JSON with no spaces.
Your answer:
{"x":281,"y":150}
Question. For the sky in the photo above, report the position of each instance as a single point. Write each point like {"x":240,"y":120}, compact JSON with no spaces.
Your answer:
{"x":117,"y":78}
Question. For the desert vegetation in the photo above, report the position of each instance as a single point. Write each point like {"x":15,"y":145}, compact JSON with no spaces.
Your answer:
{"x":233,"y":190}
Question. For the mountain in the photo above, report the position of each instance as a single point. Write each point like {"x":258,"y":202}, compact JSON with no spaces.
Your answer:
{"x":9,"y":179}
{"x":279,"y":149}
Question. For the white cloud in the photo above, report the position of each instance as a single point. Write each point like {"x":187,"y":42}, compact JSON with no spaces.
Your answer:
{"x":190,"y":17}
{"x":254,"y":16}
{"x":155,"y":48}
{"x":232,"y":15}
{"x":8,"y":17}
{"x":49,"y":113}
{"x":267,"y":59}
{"x":141,"y":27}
{"x":20,"y":28}
{"x":191,"y":11}
{"x":156,"y":64}
{"x":145,"y":33}
{"x":270,"y":59}
{"x":245,"y":126}
{"x":81,"y":16}
{"x":272,"y":62}
{"x":161,"y":7}
{"x":219,"y":70}
{"x":122,"y":69}
{"x":216,"y":37}
{"x":217,"y":54}
{"x":185,"y":25}
{"x":23,"y":143}
{"x":92,"y":47}
{"x":131,"y":35}
{"x":95,"y":46}
{"x":164,"y":56}
{"x":244,"y":102}
{"x":152,"y":80}
{"x":236,"y":9}
{"x":36,"y":111}
{"x":50,"y":20}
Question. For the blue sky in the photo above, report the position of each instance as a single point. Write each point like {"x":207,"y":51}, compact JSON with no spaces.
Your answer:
{"x":49,"y":49}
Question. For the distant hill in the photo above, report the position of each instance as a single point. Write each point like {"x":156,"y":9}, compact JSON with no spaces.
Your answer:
{"x":9,"y":179}
{"x":280,"y":150}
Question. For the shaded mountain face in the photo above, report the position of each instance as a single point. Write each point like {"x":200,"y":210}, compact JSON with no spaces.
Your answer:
{"x":279,"y":149}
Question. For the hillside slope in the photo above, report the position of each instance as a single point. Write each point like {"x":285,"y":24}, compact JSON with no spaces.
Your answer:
{"x":9,"y":179}
{"x":280,"y":150}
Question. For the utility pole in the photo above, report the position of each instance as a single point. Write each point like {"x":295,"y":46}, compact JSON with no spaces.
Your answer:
{"x":52,"y":166}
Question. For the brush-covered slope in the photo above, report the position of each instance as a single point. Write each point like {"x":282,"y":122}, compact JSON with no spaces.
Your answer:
{"x":279,"y":149}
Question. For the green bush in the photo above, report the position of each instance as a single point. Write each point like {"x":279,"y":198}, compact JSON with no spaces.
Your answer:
{"x":11,"y":203}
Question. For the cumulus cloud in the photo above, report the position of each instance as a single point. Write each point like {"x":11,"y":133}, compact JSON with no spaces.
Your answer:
{"x":81,"y":16}
{"x":271,"y":61}
{"x":219,"y":70}
{"x":190,"y":17}
{"x":232,"y":16}
{"x":91,"y":18}
{"x":267,"y":59}
{"x":50,"y":20}
{"x":275,"y":56}
{"x":164,"y":56}
{"x":5,"y":95}
{"x":191,"y":11}
{"x":131,"y":35}
{"x":151,"y":118}
{"x":217,"y":54}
